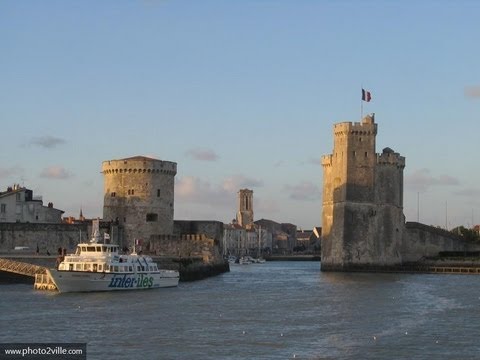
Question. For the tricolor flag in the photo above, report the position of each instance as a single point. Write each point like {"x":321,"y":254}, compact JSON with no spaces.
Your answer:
{"x":366,"y":96}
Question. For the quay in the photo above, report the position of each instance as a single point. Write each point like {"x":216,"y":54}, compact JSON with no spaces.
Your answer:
{"x":292,"y":258}
{"x":412,"y":268}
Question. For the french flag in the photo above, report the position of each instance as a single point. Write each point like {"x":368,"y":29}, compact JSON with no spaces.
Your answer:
{"x":366,"y":96}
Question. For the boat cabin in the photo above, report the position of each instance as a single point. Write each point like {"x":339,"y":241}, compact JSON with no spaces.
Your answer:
{"x":105,"y":258}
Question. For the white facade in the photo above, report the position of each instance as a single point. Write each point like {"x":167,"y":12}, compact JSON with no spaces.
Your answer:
{"x":240,"y":241}
{"x":18,"y":205}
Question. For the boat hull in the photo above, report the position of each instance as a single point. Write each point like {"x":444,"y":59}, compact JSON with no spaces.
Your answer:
{"x":82,"y":281}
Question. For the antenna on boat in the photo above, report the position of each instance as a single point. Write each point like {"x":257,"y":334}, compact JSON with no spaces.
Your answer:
{"x":134,"y":252}
{"x":95,"y":231}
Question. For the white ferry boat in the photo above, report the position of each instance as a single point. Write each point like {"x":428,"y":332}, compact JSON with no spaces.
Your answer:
{"x":99,"y":267}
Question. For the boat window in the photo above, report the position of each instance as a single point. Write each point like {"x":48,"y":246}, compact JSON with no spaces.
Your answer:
{"x":91,"y":248}
{"x":100,"y":267}
{"x":99,"y":249}
{"x":95,"y":267}
{"x":84,"y":248}
{"x":130,"y":269}
{"x":78,"y":267}
{"x":138,"y":268}
{"x":107,"y":267}
{"x":77,"y":251}
{"x":104,"y":248}
{"x":115,"y":268}
{"x":70,"y":267}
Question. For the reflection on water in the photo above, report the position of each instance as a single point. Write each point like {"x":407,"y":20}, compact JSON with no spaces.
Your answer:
{"x":276,"y":310}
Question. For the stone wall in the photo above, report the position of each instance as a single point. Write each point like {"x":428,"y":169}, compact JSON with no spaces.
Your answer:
{"x":212,"y":229}
{"x":197,"y":246}
{"x":426,"y":241}
{"x":48,"y":237}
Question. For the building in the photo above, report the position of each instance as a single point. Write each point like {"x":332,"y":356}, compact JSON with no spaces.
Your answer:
{"x":18,"y":205}
{"x":243,"y":236}
{"x":139,"y":196}
{"x":362,"y":213}
{"x":282,"y":236}
{"x":245,"y":207}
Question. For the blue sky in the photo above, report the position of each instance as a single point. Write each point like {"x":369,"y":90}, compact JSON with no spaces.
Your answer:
{"x":239,"y":94}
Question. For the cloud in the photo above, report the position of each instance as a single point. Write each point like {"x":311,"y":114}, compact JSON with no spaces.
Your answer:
{"x":305,"y":191}
{"x":12,"y":171}
{"x":55,"y":172}
{"x":472,"y":92}
{"x":202,"y":154}
{"x":422,"y":180}
{"x":474,"y":193}
{"x":47,"y":142}
{"x":237,"y":182}
{"x":193,"y":189}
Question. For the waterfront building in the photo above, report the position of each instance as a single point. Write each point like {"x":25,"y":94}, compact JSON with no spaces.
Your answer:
{"x":18,"y":205}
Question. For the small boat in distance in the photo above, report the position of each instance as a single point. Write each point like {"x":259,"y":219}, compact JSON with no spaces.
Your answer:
{"x":98,"y":266}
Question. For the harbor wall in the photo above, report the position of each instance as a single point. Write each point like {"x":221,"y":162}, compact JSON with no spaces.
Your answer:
{"x":48,"y":237}
{"x":422,"y":241}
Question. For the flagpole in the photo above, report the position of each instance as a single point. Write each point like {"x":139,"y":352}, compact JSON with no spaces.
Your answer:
{"x":361,"y":104}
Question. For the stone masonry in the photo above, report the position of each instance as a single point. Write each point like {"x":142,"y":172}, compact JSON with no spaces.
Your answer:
{"x":139,"y":196}
{"x":362,"y":215}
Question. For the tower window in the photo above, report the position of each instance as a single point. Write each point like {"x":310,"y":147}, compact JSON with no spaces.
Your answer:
{"x":158,"y":192}
{"x":152,"y":217}
{"x":366,"y":154}
{"x":354,"y":153}
{"x":113,"y":194}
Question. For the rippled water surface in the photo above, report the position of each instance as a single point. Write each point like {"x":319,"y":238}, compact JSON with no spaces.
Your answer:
{"x":277,"y":310}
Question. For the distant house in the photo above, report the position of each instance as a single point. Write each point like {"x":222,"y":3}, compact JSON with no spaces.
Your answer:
{"x":283,"y":235}
{"x":17,"y":204}
{"x":309,"y":240}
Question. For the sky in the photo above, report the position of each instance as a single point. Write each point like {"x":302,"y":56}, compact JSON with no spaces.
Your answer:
{"x":240,"y":94}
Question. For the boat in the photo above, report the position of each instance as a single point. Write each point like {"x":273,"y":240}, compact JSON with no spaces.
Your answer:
{"x":97,"y":266}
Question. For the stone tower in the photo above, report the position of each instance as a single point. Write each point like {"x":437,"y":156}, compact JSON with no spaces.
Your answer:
{"x":139,"y":195}
{"x":245,"y":207}
{"x":362,"y":213}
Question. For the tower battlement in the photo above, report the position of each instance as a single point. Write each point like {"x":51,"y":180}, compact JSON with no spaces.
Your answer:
{"x":389,"y":157}
{"x":327,"y":160}
{"x":366,"y":127}
{"x":139,"y":165}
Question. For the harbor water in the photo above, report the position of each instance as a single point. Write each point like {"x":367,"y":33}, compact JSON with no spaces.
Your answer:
{"x":276,"y":310}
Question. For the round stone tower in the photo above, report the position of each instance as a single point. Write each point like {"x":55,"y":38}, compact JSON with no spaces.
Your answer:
{"x":139,"y":195}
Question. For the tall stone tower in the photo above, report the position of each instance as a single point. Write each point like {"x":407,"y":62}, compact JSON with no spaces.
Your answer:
{"x":245,"y":207}
{"x":362,"y":214}
{"x":139,"y":194}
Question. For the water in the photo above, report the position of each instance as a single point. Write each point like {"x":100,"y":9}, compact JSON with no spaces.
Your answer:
{"x":277,"y":310}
